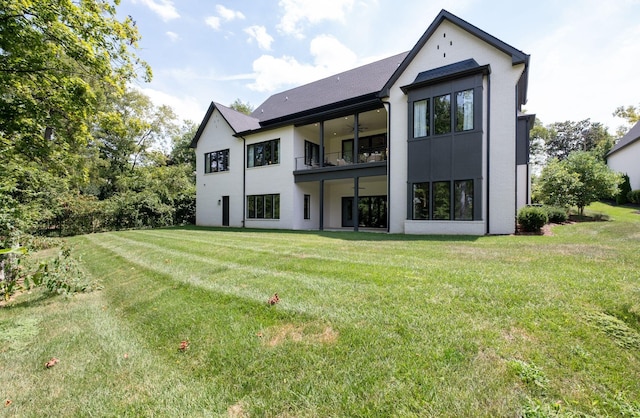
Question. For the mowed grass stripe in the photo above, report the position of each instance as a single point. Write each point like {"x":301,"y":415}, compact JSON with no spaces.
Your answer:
{"x":249,"y":281}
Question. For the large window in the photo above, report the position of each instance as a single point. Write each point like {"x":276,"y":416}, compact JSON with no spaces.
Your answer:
{"x":439,"y":195}
{"x":263,"y":206}
{"x":263,"y":153}
{"x":216,"y":161}
{"x":437,"y":111}
{"x":421,"y":201}
{"x":463,"y":200}
{"x":421,"y":118}
{"x":442,"y":114}
{"x":441,"y":200}
{"x":464,"y":110}
{"x":311,"y":153}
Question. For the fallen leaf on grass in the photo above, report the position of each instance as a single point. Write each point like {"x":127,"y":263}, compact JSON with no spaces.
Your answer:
{"x":273,"y":299}
{"x":126,"y":355}
{"x":7,"y":402}
{"x":184,"y":345}
{"x":49,"y":364}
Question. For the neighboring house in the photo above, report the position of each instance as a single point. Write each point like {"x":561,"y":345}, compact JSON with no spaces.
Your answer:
{"x":430,"y":141}
{"x":624,"y":157}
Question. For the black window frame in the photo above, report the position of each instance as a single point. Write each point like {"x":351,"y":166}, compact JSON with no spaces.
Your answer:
{"x":263,"y":206}
{"x":263,"y":153}
{"x":452,"y":210}
{"x":221,"y":158}
{"x":311,"y":153}
{"x":307,"y":207}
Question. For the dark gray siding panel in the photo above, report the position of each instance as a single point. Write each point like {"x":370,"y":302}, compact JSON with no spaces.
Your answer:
{"x":467,"y":163}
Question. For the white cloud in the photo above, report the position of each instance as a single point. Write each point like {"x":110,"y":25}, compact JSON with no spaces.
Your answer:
{"x":213,"y":21}
{"x":223,"y":14}
{"x":163,"y":8}
{"x":173,"y":36}
{"x":186,"y":107}
{"x":330,"y":57}
{"x":259,"y":33}
{"x":228,"y":14}
{"x":297,"y":13}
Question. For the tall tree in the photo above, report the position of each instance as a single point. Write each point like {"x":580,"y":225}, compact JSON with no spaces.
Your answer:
{"x":631,"y":114}
{"x":563,"y":138}
{"x":578,"y":180}
{"x":127,"y":134}
{"x":58,"y":59}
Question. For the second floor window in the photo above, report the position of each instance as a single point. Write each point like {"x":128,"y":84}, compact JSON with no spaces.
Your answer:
{"x":263,"y":153}
{"x":216,"y":161}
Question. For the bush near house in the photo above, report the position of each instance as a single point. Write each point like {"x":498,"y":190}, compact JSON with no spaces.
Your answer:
{"x":624,"y":189}
{"x":556,"y":215}
{"x":634,"y":196}
{"x":532,"y":218}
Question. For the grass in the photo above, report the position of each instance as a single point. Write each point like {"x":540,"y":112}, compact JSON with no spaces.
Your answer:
{"x":368,"y":325}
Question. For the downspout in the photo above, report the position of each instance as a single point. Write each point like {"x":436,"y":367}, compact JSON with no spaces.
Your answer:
{"x":244,"y":181}
{"x":488,"y":152}
{"x":388,"y":165}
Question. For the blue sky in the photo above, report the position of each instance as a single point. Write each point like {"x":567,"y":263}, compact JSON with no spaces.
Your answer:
{"x":585,"y":54}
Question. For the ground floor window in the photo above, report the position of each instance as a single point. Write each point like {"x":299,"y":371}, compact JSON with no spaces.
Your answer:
{"x":443,"y":200}
{"x":263,"y":206}
{"x":372,"y":211}
{"x":307,"y":206}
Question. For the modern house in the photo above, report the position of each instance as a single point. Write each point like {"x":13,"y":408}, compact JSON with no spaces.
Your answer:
{"x":429,"y":141}
{"x":624,"y":157}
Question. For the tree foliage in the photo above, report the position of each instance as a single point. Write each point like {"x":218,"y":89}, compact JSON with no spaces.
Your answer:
{"x":578,"y":180}
{"x":563,"y":138}
{"x":57,"y":57}
{"x":241,"y":107}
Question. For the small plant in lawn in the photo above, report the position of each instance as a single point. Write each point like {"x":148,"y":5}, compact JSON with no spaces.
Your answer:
{"x":530,"y":374}
{"x":62,"y":275}
{"x":532,"y":218}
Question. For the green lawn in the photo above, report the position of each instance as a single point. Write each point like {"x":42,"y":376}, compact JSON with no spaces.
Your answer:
{"x":368,"y":325}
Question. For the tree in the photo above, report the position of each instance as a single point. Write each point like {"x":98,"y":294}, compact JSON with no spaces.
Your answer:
{"x":182,"y":153}
{"x":630,"y":113}
{"x":578,"y":180}
{"x":241,"y":107}
{"x":56,"y":57}
{"x":632,"y":116}
{"x":128,"y":134}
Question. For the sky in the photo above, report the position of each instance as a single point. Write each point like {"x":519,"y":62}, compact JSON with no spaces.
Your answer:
{"x":585,"y":54}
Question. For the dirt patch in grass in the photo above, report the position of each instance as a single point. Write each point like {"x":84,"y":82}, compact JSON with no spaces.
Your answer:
{"x":517,"y":334}
{"x":236,"y":411}
{"x":307,"y":333}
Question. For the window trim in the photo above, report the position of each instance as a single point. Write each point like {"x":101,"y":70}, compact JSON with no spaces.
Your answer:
{"x":257,"y":206}
{"x":452,"y":201}
{"x":273,"y":149}
{"x":208,"y":159}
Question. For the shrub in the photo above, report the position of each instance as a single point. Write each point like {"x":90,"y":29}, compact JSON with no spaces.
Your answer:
{"x":634,"y":196}
{"x":532,"y":218}
{"x":555,"y":214}
{"x":623,"y":190}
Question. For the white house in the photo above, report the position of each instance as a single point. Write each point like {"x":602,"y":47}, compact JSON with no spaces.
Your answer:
{"x":624,"y":157}
{"x":429,"y":141}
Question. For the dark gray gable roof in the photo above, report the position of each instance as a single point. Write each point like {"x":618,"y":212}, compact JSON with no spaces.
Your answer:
{"x":517,"y":56}
{"x":632,"y":136}
{"x":238,"y":121}
{"x":349,"y":85}
{"x":466,"y":67}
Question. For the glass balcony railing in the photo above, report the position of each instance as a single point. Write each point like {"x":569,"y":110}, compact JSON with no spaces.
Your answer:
{"x":339,"y":159}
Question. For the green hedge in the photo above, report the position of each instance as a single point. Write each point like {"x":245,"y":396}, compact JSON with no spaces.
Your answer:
{"x":532,"y":218}
{"x":634,"y":196}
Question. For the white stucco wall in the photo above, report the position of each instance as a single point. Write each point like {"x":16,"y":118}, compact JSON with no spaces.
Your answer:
{"x":274,"y":179}
{"x":627,"y":161}
{"x":210,"y":187}
{"x":450,"y":44}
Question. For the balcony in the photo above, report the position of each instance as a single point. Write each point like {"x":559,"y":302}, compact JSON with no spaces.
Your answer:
{"x":339,"y":159}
